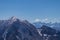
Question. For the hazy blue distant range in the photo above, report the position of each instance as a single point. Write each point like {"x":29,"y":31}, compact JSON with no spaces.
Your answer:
{"x":52,"y":25}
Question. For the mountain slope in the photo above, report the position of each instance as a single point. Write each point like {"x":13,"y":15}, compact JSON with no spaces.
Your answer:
{"x":48,"y":33}
{"x":14,"y":29}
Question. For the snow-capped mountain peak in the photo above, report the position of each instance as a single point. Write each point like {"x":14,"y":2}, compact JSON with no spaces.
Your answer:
{"x":13,"y":18}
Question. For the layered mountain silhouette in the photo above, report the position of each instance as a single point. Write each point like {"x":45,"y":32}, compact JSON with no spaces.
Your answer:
{"x":15,"y":29}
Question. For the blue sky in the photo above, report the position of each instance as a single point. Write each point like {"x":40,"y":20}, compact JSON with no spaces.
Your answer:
{"x":30,"y":9}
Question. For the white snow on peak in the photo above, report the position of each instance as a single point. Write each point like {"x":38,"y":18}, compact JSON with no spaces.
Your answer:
{"x":13,"y":18}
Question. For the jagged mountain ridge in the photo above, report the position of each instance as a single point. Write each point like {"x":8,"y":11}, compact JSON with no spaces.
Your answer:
{"x":15,"y":29}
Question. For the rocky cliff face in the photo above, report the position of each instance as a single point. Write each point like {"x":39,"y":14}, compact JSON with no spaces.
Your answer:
{"x":14,"y":29}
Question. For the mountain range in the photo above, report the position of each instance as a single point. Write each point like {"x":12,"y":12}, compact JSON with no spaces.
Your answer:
{"x":17,"y":29}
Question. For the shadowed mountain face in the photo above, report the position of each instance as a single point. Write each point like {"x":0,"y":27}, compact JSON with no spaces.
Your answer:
{"x":47,"y":30}
{"x":48,"y":33}
{"x":14,"y":29}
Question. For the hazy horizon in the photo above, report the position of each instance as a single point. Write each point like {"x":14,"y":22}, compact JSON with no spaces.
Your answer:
{"x":31,"y":10}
